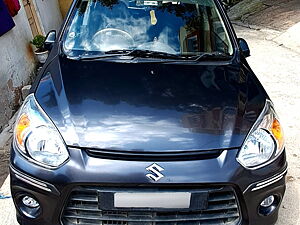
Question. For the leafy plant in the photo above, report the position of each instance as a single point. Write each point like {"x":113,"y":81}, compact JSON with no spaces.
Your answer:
{"x":38,"y":42}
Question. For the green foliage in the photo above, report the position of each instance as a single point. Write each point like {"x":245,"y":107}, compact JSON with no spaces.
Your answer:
{"x":38,"y":41}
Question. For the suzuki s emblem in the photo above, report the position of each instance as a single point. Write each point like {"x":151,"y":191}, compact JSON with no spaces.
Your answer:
{"x":155,"y":172}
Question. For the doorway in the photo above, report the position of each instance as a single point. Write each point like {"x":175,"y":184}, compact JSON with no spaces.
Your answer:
{"x":32,"y":17}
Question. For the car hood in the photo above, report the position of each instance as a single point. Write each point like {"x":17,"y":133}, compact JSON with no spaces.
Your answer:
{"x":150,"y":106}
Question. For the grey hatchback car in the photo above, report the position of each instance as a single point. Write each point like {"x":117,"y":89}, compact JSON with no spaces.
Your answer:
{"x":146,"y":112}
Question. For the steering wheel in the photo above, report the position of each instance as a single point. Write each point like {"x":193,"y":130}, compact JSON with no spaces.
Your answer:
{"x":112,"y":39}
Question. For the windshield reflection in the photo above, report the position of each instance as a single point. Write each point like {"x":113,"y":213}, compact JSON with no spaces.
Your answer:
{"x":181,"y":27}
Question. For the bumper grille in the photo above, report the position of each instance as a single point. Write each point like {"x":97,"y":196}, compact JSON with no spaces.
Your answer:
{"x":82,"y":208}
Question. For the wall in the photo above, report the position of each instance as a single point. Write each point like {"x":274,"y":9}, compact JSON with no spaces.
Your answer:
{"x":49,"y":14}
{"x":17,"y":63}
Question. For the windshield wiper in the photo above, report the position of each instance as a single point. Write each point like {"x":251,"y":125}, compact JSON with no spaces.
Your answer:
{"x":212,"y":56}
{"x":135,"y":53}
{"x":154,"y":54}
{"x":148,"y":54}
{"x":108,"y":54}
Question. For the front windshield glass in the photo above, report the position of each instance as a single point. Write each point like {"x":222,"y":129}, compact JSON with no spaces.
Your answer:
{"x":188,"y":27}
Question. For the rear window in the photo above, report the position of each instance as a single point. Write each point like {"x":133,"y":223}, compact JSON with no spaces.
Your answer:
{"x":175,"y":27}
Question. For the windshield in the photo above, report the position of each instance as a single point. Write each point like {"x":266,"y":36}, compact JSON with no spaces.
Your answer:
{"x":173,"y":27}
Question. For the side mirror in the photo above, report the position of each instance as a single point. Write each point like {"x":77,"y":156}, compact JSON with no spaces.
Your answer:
{"x":50,"y":39}
{"x":244,"y":47}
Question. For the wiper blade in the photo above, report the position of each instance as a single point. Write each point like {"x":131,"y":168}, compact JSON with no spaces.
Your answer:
{"x":134,"y":53}
{"x":154,"y":54}
{"x":213,"y":56}
{"x":108,"y":54}
{"x":118,"y":51}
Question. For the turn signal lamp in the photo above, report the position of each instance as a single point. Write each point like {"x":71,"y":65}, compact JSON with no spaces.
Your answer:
{"x":277,"y":132}
{"x":21,"y":131}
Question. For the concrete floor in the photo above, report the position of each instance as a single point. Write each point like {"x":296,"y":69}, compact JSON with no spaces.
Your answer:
{"x":277,"y":67}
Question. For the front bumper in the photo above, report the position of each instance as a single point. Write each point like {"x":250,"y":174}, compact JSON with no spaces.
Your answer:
{"x":52,"y":188}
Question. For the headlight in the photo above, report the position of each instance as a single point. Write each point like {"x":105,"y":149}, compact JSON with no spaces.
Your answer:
{"x":264,"y":142}
{"x":36,"y":136}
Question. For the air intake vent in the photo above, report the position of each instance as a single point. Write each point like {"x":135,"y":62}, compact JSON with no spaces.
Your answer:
{"x":83,"y":209}
{"x":154,"y":156}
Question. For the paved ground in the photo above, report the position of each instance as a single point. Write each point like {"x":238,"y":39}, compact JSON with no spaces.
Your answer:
{"x":278,"y":69}
{"x":275,"y":14}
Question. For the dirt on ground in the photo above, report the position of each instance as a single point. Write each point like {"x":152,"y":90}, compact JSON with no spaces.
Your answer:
{"x":5,"y":142}
{"x":4,"y":162}
{"x":274,"y":14}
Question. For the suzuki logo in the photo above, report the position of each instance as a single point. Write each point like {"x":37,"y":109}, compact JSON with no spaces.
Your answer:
{"x":155,"y":170}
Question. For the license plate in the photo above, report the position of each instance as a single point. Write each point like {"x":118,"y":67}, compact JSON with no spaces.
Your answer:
{"x":165,"y":200}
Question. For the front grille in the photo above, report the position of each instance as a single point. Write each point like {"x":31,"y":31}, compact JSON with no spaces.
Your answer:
{"x":83,"y":208}
{"x":154,"y":156}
